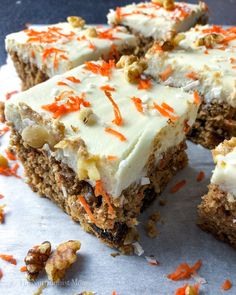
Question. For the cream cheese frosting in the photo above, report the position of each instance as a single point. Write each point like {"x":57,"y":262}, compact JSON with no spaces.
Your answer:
{"x":224,"y":174}
{"x":211,"y":70}
{"x":58,"y":48}
{"x":116,"y":146}
{"x":152,"y":20}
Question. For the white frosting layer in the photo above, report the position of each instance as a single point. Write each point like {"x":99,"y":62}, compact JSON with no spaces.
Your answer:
{"x":214,"y":68}
{"x":224,"y":174}
{"x":75,"y":49}
{"x":140,"y":129}
{"x":152,"y":20}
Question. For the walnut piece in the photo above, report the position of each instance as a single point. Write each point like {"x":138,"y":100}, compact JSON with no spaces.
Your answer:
{"x":126,"y":60}
{"x":86,"y":293}
{"x":35,"y":136}
{"x":134,"y":71}
{"x":36,"y":258}
{"x":176,"y":40}
{"x":191,"y":290}
{"x":209,"y":40}
{"x":91,"y":32}
{"x":167,"y":4}
{"x":3,"y":161}
{"x":41,"y":288}
{"x":2,"y":115}
{"x":76,"y":21}
{"x":86,"y":115}
{"x":61,"y":259}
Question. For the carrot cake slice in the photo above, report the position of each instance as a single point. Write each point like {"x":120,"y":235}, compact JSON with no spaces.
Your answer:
{"x":217,"y":212}
{"x":102,"y":140}
{"x":158,"y":20}
{"x":204,"y":60}
{"x":40,"y":53}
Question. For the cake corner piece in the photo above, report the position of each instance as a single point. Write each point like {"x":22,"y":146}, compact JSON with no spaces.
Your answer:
{"x":217,"y":211}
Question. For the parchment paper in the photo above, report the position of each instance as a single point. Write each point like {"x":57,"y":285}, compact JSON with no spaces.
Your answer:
{"x":31,"y":220}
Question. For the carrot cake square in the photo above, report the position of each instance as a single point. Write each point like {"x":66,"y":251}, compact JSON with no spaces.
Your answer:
{"x":204,"y":60}
{"x":40,"y":53}
{"x":158,"y":20}
{"x":102,"y":140}
{"x":217,"y":212}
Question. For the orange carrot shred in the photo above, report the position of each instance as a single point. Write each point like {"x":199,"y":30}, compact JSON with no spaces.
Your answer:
{"x":9,"y":94}
{"x":8,"y":258}
{"x":99,"y":191}
{"x":166,"y":73}
{"x":226,"y":285}
{"x":23,"y":268}
{"x":197,"y":98}
{"x":1,"y":274}
{"x":56,"y":53}
{"x":7,"y":171}
{"x":184,"y":271}
{"x":167,"y":107}
{"x":144,"y":84}
{"x":111,"y":158}
{"x":192,"y":75}
{"x":114,"y":293}
{"x":107,"y":88}
{"x":104,"y":69}
{"x":107,"y":34}
{"x":73,"y":79}
{"x":178,"y":186}
{"x":164,"y":113}
{"x":116,"y":133}
{"x":4,"y":130}
{"x":61,"y":83}
{"x":200,"y":176}
{"x":118,"y":118}
{"x":138,"y":104}
{"x":1,"y":196}
{"x":87,"y":208}
{"x":10,"y":155}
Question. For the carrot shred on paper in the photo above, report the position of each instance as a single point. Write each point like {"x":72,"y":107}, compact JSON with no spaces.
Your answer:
{"x":184,"y":271}
{"x":23,"y":268}
{"x":8,"y":258}
{"x":226,"y":285}
{"x":200,"y":176}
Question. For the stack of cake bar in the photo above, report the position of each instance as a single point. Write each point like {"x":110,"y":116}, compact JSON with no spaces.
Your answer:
{"x":102,"y":127}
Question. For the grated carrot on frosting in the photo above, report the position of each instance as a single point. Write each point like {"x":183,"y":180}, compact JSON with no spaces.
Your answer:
{"x":118,"y":118}
{"x":192,"y":75}
{"x":166,"y":73}
{"x":87,"y":208}
{"x":112,"y":158}
{"x":164,"y":112}
{"x":99,"y":191}
{"x":10,"y":155}
{"x":8,"y":258}
{"x":23,"y":268}
{"x":167,"y":107}
{"x":1,"y":196}
{"x":138,"y":104}
{"x":107,"y":34}
{"x":55,"y":52}
{"x":73,"y":79}
{"x":226,"y":285}
{"x":66,"y":103}
{"x":116,"y":133}
{"x":144,"y":84}
{"x":107,"y":88}
{"x":4,"y":130}
{"x":104,"y":69}
{"x":197,"y":98}
{"x":184,"y":271}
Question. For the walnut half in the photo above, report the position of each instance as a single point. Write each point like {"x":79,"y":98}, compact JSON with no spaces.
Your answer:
{"x":76,"y":21}
{"x":61,"y":259}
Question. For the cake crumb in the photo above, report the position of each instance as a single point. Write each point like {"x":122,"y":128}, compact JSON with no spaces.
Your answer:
{"x":162,"y":202}
{"x":115,"y":254}
{"x":151,"y":229}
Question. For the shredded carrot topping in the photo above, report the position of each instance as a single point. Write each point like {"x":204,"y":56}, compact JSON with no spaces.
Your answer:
{"x":61,"y":83}
{"x":118,"y":14}
{"x":23,"y":268}
{"x":138,"y":104}
{"x":4,"y":130}
{"x":87,"y":208}
{"x":55,"y":52}
{"x":200,"y":176}
{"x":184,"y":271}
{"x":107,"y":34}
{"x":114,"y":293}
{"x":1,"y":196}
{"x":66,"y":103}
{"x":7,"y":171}
{"x":178,"y":186}
{"x":192,"y":75}
{"x":8,"y":258}
{"x":167,"y":107}
{"x":10,"y":155}
{"x":144,"y":84}
{"x":226,"y":285}
{"x":111,"y":158}
{"x":182,"y":290}
{"x":164,"y":112}
{"x":116,"y":133}
{"x":166,"y":73}
{"x":107,"y":88}
{"x":99,"y":191}
{"x":73,"y":79}
{"x":8,"y":95}
{"x":113,"y":53}
{"x":118,"y":118}
{"x":197,"y":98}
{"x":104,"y":69}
